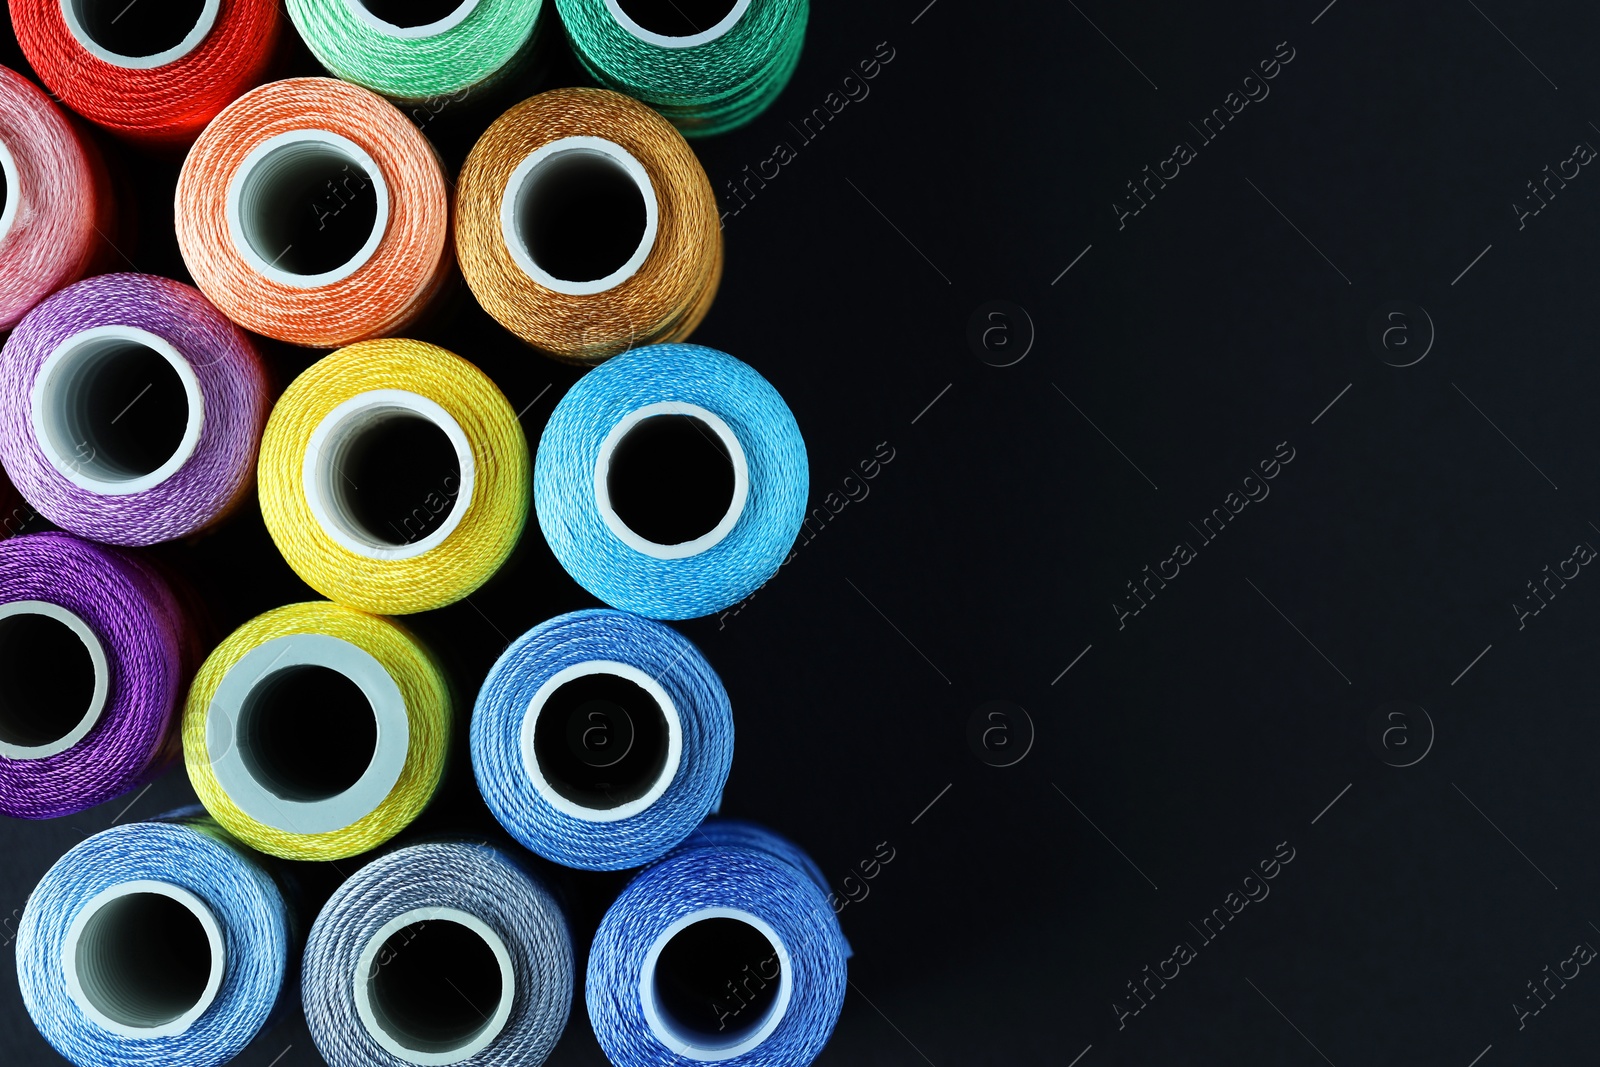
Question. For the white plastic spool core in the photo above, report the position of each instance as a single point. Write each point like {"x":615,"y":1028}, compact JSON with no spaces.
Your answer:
{"x":401,"y":1029}
{"x":242,"y":708}
{"x":360,"y":10}
{"x":270,"y":185}
{"x":528,"y":193}
{"x":21,"y":732}
{"x":736,"y":457}
{"x":78,"y":13}
{"x":13,"y":191}
{"x":144,"y":959}
{"x":327,"y":487}
{"x":721,"y":27}
{"x":668,"y":766}
{"x":64,"y":424}
{"x":702,"y":1043}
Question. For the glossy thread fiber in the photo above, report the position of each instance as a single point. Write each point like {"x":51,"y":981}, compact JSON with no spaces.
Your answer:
{"x":193,"y":854}
{"x":729,"y":571}
{"x":704,"y":89}
{"x":467,"y":876}
{"x":387,"y":292}
{"x":166,"y":105}
{"x":427,"y":698}
{"x":469,"y":55}
{"x":659,"y":652}
{"x":62,"y":196}
{"x":151,"y":652}
{"x":495,"y":515}
{"x":724,"y":865}
{"x":233,"y":388}
{"x":673,"y":288}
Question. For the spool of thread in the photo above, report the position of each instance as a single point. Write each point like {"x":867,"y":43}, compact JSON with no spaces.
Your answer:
{"x":155,"y":74}
{"x":600,"y":740}
{"x":315,"y":731}
{"x":707,"y":65}
{"x":394,"y":477}
{"x":95,"y":653}
{"x":724,"y":952}
{"x":586,"y":226}
{"x":440,"y":953}
{"x":154,"y":943}
{"x":404,"y":53}
{"x":130,"y":409}
{"x":671,"y":481}
{"x":314,"y":212}
{"x":55,"y":199}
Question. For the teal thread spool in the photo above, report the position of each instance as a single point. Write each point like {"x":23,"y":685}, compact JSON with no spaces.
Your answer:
{"x":707,"y":65}
{"x":466,"y":47}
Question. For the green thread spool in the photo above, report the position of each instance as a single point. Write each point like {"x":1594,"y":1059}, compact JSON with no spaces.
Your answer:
{"x":707,"y":65}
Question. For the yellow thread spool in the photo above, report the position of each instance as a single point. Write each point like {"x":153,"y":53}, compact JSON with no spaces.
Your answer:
{"x":329,"y":414}
{"x":309,"y":673}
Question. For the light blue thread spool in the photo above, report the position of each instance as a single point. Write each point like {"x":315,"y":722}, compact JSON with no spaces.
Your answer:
{"x":587,"y":442}
{"x":731,"y":905}
{"x":600,"y":739}
{"x":154,"y":943}
{"x":439,"y":953}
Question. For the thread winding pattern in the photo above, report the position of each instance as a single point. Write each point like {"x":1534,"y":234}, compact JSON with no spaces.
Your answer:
{"x":622,"y":576}
{"x":163,"y":106}
{"x":472,"y":877}
{"x":704,"y":89}
{"x":495,"y":514}
{"x":656,"y":650}
{"x":670,"y":293}
{"x":193,"y":854}
{"x":428,"y":710}
{"x":382,"y":296}
{"x":233,"y":388}
{"x":150,"y":651}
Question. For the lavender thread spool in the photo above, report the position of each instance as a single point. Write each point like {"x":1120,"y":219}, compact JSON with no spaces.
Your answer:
{"x":131,"y":409}
{"x":95,"y":653}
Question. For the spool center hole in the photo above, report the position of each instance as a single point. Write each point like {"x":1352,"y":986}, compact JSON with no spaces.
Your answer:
{"x":116,"y":410}
{"x":46,"y":680}
{"x":580,"y":215}
{"x":394,"y":478}
{"x":601,"y":741}
{"x":671,"y":479}
{"x":143,"y":959}
{"x":716,"y":981}
{"x":434,"y":985}
{"x":409,"y":14}
{"x":676,"y":18}
{"x":307,"y":733}
{"x":134,"y":32}
{"x":308,"y":207}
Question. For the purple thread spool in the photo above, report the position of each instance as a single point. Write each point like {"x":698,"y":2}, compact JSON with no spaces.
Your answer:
{"x":73,"y":434}
{"x":95,"y":654}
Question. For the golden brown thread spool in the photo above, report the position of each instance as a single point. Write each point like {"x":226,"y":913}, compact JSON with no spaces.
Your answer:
{"x":546,"y":204}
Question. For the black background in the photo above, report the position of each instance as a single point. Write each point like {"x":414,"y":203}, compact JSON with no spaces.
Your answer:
{"x":986,"y":559}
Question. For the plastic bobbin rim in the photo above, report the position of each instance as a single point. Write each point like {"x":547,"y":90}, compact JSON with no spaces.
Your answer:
{"x":201,"y":29}
{"x":736,"y":456}
{"x":102,"y":678}
{"x":431,"y":29}
{"x":306,"y":140}
{"x":191,"y":903}
{"x":727,"y":23}
{"x":346,"y":422}
{"x":50,"y":396}
{"x":258,"y":801}
{"x":367,"y":966}
{"x":685,"y":1045}
{"x":669,"y":770}
{"x":511,"y":203}
{"x":8,"y":211}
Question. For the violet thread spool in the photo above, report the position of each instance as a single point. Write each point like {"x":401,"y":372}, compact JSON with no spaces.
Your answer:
{"x":96,"y":653}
